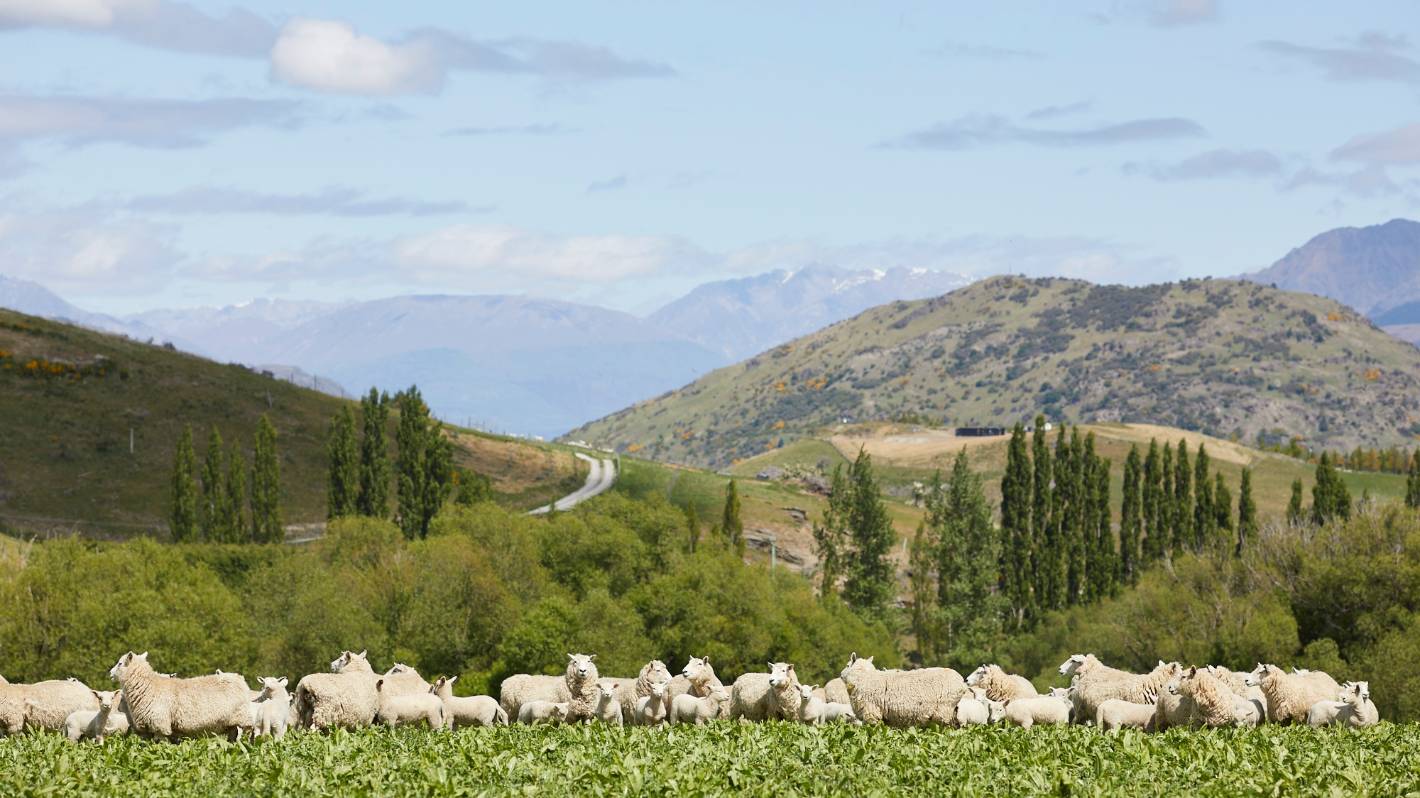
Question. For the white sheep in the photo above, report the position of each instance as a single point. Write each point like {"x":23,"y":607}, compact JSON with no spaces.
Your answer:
{"x":999,"y":685}
{"x":697,"y":679}
{"x":95,"y":724}
{"x":42,"y":705}
{"x":1352,"y":708}
{"x":834,"y":692}
{"x":1052,"y":709}
{"x":1237,"y":683}
{"x":1213,"y":704}
{"x":608,"y":707}
{"x":1172,"y":708}
{"x":409,"y":708}
{"x":402,"y":679}
{"x":687,"y":708}
{"x":271,"y":712}
{"x":973,"y":711}
{"x":346,"y":697}
{"x":1116,"y":714}
{"x":1096,"y":683}
{"x":533,"y":713}
{"x":630,"y":691}
{"x":923,"y":697}
{"x":473,"y":710}
{"x":521,"y":688}
{"x":652,"y":710}
{"x":581,"y":678}
{"x":813,"y":710}
{"x":766,"y":696}
{"x":164,"y":706}
{"x":1291,"y":696}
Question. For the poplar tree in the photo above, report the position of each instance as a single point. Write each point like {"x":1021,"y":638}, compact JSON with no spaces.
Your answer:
{"x":830,"y":535}
{"x":1076,"y":543}
{"x":1016,"y":525}
{"x":692,"y":527}
{"x":266,"y":526}
{"x":969,"y":611}
{"x":1102,"y":569}
{"x":212,"y":512}
{"x":921,"y":564}
{"x":342,"y":496}
{"x":731,"y":524}
{"x":1182,"y":499}
{"x":183,"y":518}
{"x":1131,"y":519}
{"x":1247,"y":511}
{"x":869,"y":587}
{"x":240,"y":529}
{"x":374,"y":492}
{"x":1222,"y":510}
{"x":1166,"y":502}
{"x":1042,"y":556}
{"x":1205,"y":520}
{"x":1412,"y":482}
{"x":1294,"y":506}
{"x":1151,"y":548}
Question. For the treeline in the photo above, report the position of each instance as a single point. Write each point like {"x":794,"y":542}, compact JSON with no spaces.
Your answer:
{"x":224,"y":501}
{"x":488,"y":592}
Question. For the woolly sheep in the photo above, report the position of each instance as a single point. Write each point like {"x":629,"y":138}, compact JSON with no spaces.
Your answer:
{"x":345,"y":697}
{"x":1213,"y":704}
{"x":473,"y":710}
{"x":1237,"y":683}
{"x":522,"y":688}
{"x":923,"y":697}
{"x":1096,"y":683}
{"x":630,"y":691}
{"x":42,"y":705}
{"x":754,"y":696}
{"x":973,"y":711}
{"x":581,"y":678}
{"x":608,"y":707}
{"x":271,"y":712}
{"x":652,"y":710}
{"x":1116,"y":714}
{"x":999,"y":685}
{"x":401,"y":679}
{"x":1290,"y":696}
{"x":164,"y":706}
{"x":834,"y":692}
{"x":95,"y":724}
{"x":814,"y":710}
{"x":1172,"y":708}
{"x":402,"y":709}
{"x":687,"y":708}
{"x":533,"y":713}
{"x":1052,"y":709}
{"x":1352,"y":708}
{"x":697,"y":679}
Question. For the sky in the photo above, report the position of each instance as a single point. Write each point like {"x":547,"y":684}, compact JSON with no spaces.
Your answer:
{"x":156,"y":153}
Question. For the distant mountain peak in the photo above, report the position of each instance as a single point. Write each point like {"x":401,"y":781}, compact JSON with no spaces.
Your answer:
{"x":1372,"y":269}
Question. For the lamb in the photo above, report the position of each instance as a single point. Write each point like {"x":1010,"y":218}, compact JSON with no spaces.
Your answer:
{"x":630,"y":691}
{"x":1172,"y":708}
{"x":652,"y":710}
{"x":1116,"y":714}
{"x":271,"y":712}
{"x":401,"y":709}
{"x":814,"y":710}
{"x":345,"y":697}
{"x":536,"y":712}
{"x":1096,"y":683}
{"x":1052,"y":709}
{"x":686,"y":708}
{"x":999,"y":685}
{"x":765,"y":696}
{"x":522,"y":688}
{"x":923,"y":697}
{"x":608,"y":707}
{"x":474,"y":710}
{"x":95,"y":724}
{"x":164,"y":706}
{"x":974,"y":711}
{"x":1353,"y":708}
{"x":42,"y":705}
{"x":581,"y":678}
{"x":1290,"y":696}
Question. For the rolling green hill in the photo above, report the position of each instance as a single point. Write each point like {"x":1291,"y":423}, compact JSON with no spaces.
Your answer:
{"x":71,"y":397}
{"x":1227,"y":358}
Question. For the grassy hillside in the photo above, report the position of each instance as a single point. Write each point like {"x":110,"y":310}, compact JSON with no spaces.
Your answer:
{"x":71,"y":397}
{"x":1227,"y":358}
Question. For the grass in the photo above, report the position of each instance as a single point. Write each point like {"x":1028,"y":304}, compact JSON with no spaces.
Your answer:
{"x":771,"y":759}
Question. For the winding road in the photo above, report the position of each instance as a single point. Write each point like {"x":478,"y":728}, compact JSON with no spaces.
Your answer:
{"x":600,"y":478}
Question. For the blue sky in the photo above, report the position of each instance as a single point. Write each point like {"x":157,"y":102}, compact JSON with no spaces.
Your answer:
{"x":157,"y":153}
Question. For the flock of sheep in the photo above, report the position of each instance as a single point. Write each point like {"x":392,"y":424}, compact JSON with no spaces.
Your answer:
{"x":352,"y":695}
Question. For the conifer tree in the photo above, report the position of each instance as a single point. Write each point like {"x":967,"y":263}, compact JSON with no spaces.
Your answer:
{"x":870,"y":585}
{"x":1294,"y":506}
{"x":183,"y":517}
{"x":424,"y":465}
{"x":1182,"y":499}
{"x":373,"y":495}
{"x":1151,"y":547}
{"x":970,"y":612}
{"x":1247,"y":511}
{"x":238,"y":527}
{"x":266,"y":526}
{"x":1131,"y":519}
{"x":731,"y":525}
{"x":1016,"y":492}
{"x":1330,"y":498}
{"x":1412,"y":482}
{"x":1205,"y":520}
{"x":830,"y":535}
{"x":342,"y":496}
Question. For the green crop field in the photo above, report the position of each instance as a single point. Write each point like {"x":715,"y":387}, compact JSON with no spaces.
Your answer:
{"x":772,"y":759}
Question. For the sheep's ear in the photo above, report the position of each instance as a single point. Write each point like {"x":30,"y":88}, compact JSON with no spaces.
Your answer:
{"x":451,"y":679}
{"x":592,"y":657}
{"x":380,"y":684}
{"x":870,"y":659}
{"x":571,"y":657}
{"x":791,"y":667}
{"x":705,"y":660}
{"x":144,"y":655}
{"x":363,"y":653}
{"x":771,"y":666}
{"x":96,"y":694}
{"x":852,"y":658}
{"x":281,"y":681}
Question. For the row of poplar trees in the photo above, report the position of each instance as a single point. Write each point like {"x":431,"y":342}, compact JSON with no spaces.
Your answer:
{"x":361,"y":469}
{"x":1058,"y":543}
{"x":225,"y":502}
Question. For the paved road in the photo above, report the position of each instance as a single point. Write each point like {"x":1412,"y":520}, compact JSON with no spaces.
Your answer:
{"x":600,"y":477}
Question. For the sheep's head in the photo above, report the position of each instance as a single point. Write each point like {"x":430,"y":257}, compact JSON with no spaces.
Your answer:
{"x":658,"y":689}
{"x":780,"y":673}
{"x":270,"y":685}
{"x":345,"y":660}
{"x":559,"y":712}
{"x":106,"y":698}
{"x":442,"y":684}
{"x":1069,"y":666}
{"x":1062,"y":693}
{"x":806,"y":691}
{"x":856,"y":665}
{"x":995,"y":711}
{"x":976,"y":675}
{"x":1174,"y":687}
{"x":607,"y":690}
{"x":1265,"y":672}
{"x":698,"y":668}
{"x":125,"y":663}
{"x":581,"y":665}
{"x":1355,"y":693}
{"x":719,"y":695}
{"x":398,"y":667}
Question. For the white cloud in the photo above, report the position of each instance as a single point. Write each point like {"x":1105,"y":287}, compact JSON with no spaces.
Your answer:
{"x":330,"y":56}
{"x":76,"y":251}
{"x":458,"y":252}
{"x":79,"y":13}
{"x":163,"y":24}
{"x":140,"y":122}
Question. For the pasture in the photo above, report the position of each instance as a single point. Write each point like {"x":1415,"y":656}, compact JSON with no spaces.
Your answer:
{"x":767,"y":759}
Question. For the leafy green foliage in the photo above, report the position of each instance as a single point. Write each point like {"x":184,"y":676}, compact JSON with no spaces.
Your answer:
{"x":183,"y":523}
{"x":343,"y":473}
{"x":266,"y":525}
